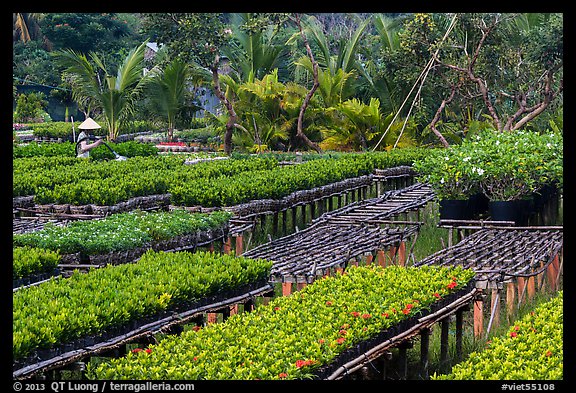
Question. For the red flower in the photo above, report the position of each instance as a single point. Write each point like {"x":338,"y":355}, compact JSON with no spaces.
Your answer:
{"x":196,"y":328}
{"x":408,"y":306}
{"x":328,"y":303}
{"x":340,"y":340}
{"x":549,"y":353}
{"x":366,"y":316}
{"x":406,"y":311}
{"x":136,"y":350}
{"x":355,"y":313}
{"x":513,"y":334}
{"x":276,"y":308}
{"x":385,"y":315}
{"x":452,"y":285}
{"x":321,"y":341}
{"x":282,"y":375}
{"x":516,"y":327}
{"x":303,"y":363}
{"x":437,"y":295}
{"x":148,"y":350}
{"x":342,"y":332}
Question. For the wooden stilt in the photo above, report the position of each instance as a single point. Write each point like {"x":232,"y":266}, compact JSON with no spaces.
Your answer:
{"x":211,"y":317}
{"x":531,"y":287}
{"x":510,"y":298}
{"x":300,"y":285}
{"x":392,"y":255}
{"x":402,"y":254}
{"x":478,"y":317}
{"x":239,"y":245}
{"x":403,"y":359}
{"x":459,"y":334}
{"x":286,"y":288}
{"x":424,"y":349}
{"x":521,"y":284}
{"x":444,"y":326}
{"x":228,"y":246}
{"x":381,"y":257}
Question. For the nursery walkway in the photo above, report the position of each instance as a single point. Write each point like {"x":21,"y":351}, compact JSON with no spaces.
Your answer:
{"x":353,"y":232}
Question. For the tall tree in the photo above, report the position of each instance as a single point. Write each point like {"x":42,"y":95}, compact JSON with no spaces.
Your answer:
{"x":197,"y":38}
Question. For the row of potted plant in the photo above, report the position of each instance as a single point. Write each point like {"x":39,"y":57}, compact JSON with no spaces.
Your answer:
{"x":499,"y":166}
{"x":532,"y":349}
{"x":91,"y":303}
{"x":293,"y":337}
{"x":68,"y":149}
{"x":28,"y":260}
{"x":121,"y":231}
{"x":63,"y":180}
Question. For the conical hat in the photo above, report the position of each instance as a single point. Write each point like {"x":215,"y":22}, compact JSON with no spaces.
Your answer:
{"x":89,"y":124}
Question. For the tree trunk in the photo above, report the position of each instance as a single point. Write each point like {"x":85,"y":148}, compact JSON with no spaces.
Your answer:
{"x":299,"y":130}
{"x":226,"y":102}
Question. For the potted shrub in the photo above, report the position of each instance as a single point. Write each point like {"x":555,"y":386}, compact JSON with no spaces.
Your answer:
{"x":449,"y":174}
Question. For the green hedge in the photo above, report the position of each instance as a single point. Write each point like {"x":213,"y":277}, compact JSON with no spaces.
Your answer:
{"x":62,"y":310}
{"x":532,"y":349}
{"x":293,"y":336}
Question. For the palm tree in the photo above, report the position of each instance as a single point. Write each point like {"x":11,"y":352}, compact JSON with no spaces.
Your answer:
{"x":97,"y":89}
{"x":256,"y":54}
{"x":167,"y":89}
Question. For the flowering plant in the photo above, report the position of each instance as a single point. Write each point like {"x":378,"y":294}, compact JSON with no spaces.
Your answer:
{"x":451,"y":173}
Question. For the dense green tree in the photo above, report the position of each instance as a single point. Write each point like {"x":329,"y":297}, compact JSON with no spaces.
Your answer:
{"x":481,"y":67}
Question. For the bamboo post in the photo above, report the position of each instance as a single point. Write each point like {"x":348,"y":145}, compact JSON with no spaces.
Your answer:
{"x":495,"y":307}
{"x":275,"y":223}
{"x":369,"y":259}
{"x":300,"y":285}
{"x":495,"y":310}
{"x":284,"y":225}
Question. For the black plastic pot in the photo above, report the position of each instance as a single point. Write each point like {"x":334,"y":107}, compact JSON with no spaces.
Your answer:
{"x":513,"y":210}
{"x":455,"y":209}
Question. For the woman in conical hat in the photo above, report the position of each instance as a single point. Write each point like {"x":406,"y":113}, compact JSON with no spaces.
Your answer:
{"x":82,"y":146}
